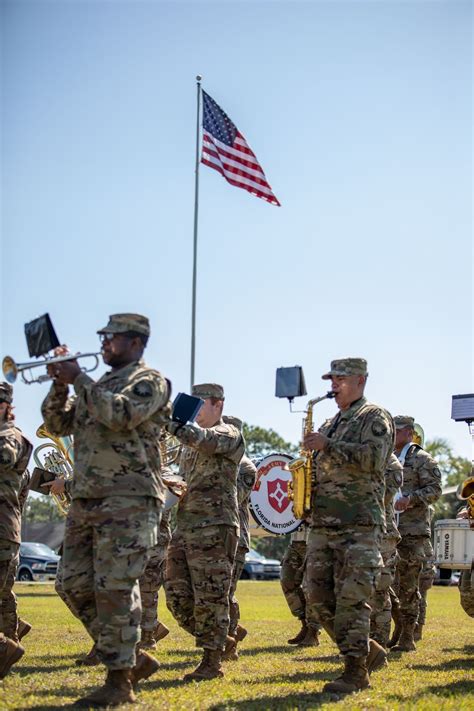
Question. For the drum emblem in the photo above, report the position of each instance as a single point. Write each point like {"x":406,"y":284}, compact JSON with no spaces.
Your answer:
{"x":278,"y":494}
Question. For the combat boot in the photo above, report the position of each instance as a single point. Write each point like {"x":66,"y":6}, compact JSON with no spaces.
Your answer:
{"x":23,"y":628}
{"x":145,"y":666}
{"x":311,"y":638}
{"x":209,"y":667}
{"x":230,"y":653}
{"x":10,"y":653}
{"x":117,"y":690}
{"x":160,"y":631}
{"x":240,"y":633}
{"x":377,"y":657}
{"x":406,"y":642}
{"x":91,"y":659}
{"x":354,"y":678}
{"x":397,"y":630}
{"x":148,"y":640}
{"x":301,"y":634}
{"x":418,"y":633}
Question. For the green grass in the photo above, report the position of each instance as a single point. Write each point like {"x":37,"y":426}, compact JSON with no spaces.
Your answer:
{"x":270,"y":674}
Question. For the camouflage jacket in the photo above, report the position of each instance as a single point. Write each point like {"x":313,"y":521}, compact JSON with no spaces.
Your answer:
{"x":245,"y":481}
{"x":350,"y":472}
{"x":393,"y":483}
{"x":15,"y":452}
{"x":422,"y":483}
{"x":209,"y":464}
{"x":116,"y":423}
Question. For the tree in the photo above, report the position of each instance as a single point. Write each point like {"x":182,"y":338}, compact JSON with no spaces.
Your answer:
{"x":41,"y":509}
{"x":260,"y":442}
{"x":454,"y":470}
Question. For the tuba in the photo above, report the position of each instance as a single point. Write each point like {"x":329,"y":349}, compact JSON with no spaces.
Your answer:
{"x":58,"y":460}
{"x":299,"y":488}
{"x":467,"y":493}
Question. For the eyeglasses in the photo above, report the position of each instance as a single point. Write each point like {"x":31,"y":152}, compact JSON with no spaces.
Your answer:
{"x":106,"y":337}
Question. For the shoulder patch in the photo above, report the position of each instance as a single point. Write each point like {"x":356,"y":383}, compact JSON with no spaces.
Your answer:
{"x":143,"y":389}
{"x":379,"y":428}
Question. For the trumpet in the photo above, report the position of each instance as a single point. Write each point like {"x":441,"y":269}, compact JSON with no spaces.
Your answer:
{"x":58,"y":460}
{"x":11,"y":369}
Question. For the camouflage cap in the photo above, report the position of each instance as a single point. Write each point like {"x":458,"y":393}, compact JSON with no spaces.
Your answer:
{"x":347,"y":366}
{"x":6,"y":392}
{"x":206,"y":390}
{"x":402,"y":421}
{"x":121,"y":323}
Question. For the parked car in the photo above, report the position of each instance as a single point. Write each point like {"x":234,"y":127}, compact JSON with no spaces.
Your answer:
{"x":37,"y":562}
{"x":257,"y":567}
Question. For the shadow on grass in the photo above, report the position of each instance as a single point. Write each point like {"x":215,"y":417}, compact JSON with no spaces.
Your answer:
{"x":467,"y":649}
{"x":446,"y":666}
{"x":39,"y":593}
{"x":442,"y":690}
{"x":265,"y":650}
{"x":286,"y":678}
{"x":289,"y":702}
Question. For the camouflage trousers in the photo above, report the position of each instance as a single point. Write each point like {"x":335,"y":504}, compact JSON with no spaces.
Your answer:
{"x":197,"y":582}
{"x":466,"y":591}
{"x":234,"y":609}
{"x":59,"y":585}
{"x":9,"y":559}
{"x":150,"y":583}
{"x":106,"y":547}
{"x":411,"y":550}
{"x":342,"y":569}
{"x":291,"y":578}
{"x":425,"y":582}
{"x":381,"y":617}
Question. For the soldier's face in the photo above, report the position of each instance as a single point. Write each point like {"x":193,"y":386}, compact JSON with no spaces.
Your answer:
{"x":117,"y":350}
{"x":402,"y":437}
{"x":209,"y":414}
{"x":348,"y":389}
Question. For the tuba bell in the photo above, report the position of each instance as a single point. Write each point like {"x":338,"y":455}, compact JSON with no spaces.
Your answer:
{"x":58,"y":460}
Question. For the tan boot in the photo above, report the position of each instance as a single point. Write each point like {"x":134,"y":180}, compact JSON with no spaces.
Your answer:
{"x":354,"y":678}
{"x":147,"y":640}
{"x":90,"y":659}
{"x":311,"y":638}
{"x":301,"y":634}
{"x":145,"y":666}
{"x":377,"y":657}
{"x":10,"y":653}
{"x":418,"y":633}
{"x":230,"y":653}
{"x":160,"y":631}
{"x":23,"y":628}
{"x":209,"y":667}
{"x":117,"y":690}
{"x":240,"y":633}
{"x":406,"y":643}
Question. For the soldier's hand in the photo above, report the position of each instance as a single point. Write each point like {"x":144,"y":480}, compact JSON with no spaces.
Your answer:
{"x":64,"y":373}
{"x":55,"y":487}
{"x":462,"y":514}
{"x":402,"y":503}
{"x":315,"y":441}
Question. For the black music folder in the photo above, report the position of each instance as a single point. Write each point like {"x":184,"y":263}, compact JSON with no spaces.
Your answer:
{"x":41,"y":336}
{"x":186,"y":408}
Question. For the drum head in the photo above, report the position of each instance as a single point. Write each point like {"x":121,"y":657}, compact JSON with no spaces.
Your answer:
{"x":269,"y":502}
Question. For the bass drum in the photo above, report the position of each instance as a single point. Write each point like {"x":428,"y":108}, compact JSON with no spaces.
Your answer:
{"x":269,"y":502}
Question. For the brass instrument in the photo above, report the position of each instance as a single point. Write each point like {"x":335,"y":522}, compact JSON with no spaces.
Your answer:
{"x":11,"y":368}
{"x":418,"y":435}
{"x":467,"y":493}
{"x":170,"y":449}
{"x":59,"y":461}
{"x":299,"y":488}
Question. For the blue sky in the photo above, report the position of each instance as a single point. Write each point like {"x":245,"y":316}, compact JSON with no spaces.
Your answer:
{"x":360,"y":114}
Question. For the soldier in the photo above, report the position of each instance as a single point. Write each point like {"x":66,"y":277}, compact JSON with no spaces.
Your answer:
{"x":291,"y":580}
{"x":117,"y":495}
{"x":421,"y":487}
{"x":245,"y":481}
{"x":343,"y":558}
{"x":425,"y":582}
{"x":202,"y":549}
{"x":15,"y":452}
{"x":381,"y":617}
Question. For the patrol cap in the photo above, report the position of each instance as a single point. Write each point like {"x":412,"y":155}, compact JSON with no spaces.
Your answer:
{"x":347,"y":366}
{"x":402,"y":421}
{"x":122,"y":323}
{"x":6,"y":392}
{"x":206,"y":390}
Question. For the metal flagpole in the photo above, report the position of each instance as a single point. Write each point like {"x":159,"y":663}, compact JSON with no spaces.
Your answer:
{"x":196,"y":203}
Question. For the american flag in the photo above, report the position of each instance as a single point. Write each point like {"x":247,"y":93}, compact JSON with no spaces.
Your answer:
{"x":226,"y":150}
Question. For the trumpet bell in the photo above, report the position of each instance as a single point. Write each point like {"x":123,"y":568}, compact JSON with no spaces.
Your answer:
{"x":10,"y":369}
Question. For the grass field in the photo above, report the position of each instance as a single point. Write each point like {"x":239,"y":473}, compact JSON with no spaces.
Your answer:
{"x":270,"y":674}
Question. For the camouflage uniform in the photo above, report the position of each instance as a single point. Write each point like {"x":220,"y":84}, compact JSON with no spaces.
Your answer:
{"x":153,"y":576}
{"x":204,"y":543}
{"x":381,"y":617}
{"x":425,"y":581}
{"x":245,"y":481}
{"x":343,"y":558}
{"x":466,"y":590}
{"x":117,"y":493}
{"x":15,"y":451}
{"x":292,"y":573}
{"x":422,"y":483}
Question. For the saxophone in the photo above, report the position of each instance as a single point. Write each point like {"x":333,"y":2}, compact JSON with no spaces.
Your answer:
{"x":299,"y":488}
{"x":467,"y":493}
{"x":58,"y":460}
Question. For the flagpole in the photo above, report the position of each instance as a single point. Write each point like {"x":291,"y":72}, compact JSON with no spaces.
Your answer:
{"x":196,"y":204}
